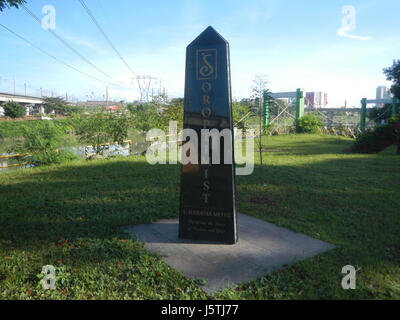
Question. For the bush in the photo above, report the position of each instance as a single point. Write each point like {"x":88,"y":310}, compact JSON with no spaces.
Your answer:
{"x":100,"y":128}
{"x":44,"y":141}
{"x":269,"y":130}
{"x":14,"y":110}
{"x":374,"y":141}
{"x":308,"y":124}
{"x":15,"y":129}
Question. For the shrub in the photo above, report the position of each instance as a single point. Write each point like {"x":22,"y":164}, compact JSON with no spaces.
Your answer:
{"x":44,"y":141}
{"x":308,"y":124}
{"x":14,"y":110}
{"x":269,"y":130}
{"x":374,"y":141}
{"x":100,"y":128}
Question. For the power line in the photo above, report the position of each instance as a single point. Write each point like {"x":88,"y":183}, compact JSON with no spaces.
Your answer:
{"x":70,"y":47}
{"x":52,"y":56}
{"x":105,"y":36}
{"x":143,"y":81}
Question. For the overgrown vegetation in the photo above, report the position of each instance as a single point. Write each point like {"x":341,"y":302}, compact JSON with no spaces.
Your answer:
{"x":14,"y":110}
{"x":393,"y":74}
{"x":60,"y":106}
{"x":381,"y":113}
{"x":45,"y":142}
{"x":375,"y":140}
{"x":101,"y":128}
{"x":309,"y":123}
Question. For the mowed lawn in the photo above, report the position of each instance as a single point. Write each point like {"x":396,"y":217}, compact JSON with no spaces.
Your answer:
{"x":73,"y":216}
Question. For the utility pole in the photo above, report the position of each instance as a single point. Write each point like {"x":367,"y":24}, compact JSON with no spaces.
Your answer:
{"x":25,"y":88}
{"x":106,"y":95}
{"x":14,"y":85}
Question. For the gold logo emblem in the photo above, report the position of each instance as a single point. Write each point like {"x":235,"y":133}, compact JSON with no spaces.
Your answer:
{"x":206,"y":61}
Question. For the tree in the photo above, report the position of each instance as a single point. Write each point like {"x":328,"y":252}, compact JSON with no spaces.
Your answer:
{"x":10,"y":3}
{"x":174,"y":112}
{"x":55,"y":104}
{"x":393,"y":74}
{"x":177,"y":101}
{"x":132,"y":107}
{"x":239,"y":113}
{"x":59,"y":105}
{"x":260,"y":85}
{"x":14,"y":110}
{"x":247,"y":103}
{"x":378,"y":113}
{"x":101,"y":128}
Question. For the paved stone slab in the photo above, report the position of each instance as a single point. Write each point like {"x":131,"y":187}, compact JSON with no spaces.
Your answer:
{"x":262,"y":247}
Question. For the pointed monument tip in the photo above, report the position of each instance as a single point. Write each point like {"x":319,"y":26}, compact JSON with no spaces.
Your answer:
{"x":208,"y":37}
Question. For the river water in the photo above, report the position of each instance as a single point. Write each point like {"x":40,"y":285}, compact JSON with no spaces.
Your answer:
{"x":113,"y":150}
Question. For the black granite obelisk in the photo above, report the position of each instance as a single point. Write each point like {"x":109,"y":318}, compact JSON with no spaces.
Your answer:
{"x":208,"y":204}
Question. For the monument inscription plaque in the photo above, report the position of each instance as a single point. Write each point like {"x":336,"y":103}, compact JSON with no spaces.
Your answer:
{"x":207,"y":205}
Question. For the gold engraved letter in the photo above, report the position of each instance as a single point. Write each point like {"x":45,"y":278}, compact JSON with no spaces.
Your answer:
{"x":206,"y":87}
{"x":206,"y":99}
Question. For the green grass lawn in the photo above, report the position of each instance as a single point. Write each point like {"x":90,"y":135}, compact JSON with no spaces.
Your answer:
{"x":72,"y":216}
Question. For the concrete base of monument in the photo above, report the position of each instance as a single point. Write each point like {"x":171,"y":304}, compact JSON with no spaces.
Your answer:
{"x":262,"y":247}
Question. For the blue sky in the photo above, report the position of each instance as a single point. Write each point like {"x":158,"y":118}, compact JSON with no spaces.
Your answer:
{"x":295,"y":43}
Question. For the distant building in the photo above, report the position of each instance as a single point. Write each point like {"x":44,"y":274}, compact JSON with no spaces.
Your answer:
{"x":310,"y":99}
{"x":99,"y":103}
{"x":112,"y":108}
{"x":316,"y":99}
{"x":382,"y":92}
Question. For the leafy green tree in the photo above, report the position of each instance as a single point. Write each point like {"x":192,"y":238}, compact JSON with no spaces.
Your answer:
{"x":393,"y":74}
{"x":149,"y":116}
{"x":60,"y":106}
{"x":174,"y":112}
{"x":177,"y":101}
{"x":100,"y":128}
{"x":378,"y":113}
{"x":239,"y":111}
{"x":14,"y":110}
{"x":10,"y":3}
{"x":247,"y":103}
{"x":132,"y":108}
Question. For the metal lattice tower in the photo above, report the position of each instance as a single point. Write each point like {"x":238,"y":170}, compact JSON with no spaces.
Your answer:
{"x":144,"y":84}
